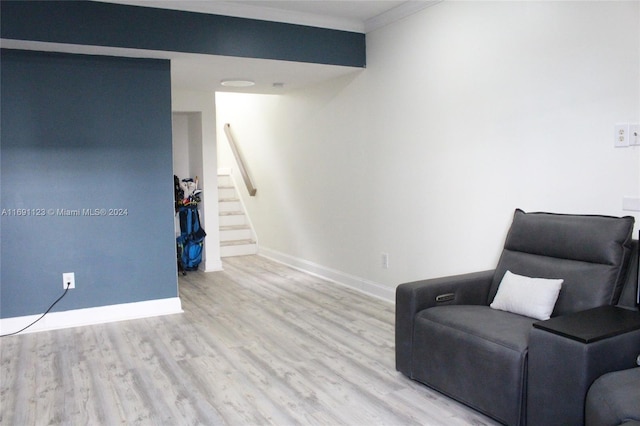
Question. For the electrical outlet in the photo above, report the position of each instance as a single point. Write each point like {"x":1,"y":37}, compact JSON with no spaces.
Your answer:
{"x":385,"y":261}
{"x":68,"y":280}
{"x":621,"y":135}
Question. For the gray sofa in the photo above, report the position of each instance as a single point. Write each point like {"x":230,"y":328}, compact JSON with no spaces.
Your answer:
{"x":449,"y":338}
{"x":614,"y":399}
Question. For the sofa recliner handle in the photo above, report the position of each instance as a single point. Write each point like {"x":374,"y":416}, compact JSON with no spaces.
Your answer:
{"x":447,"y":297}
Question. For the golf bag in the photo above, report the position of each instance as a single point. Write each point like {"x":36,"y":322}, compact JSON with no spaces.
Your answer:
{"x":190,"y":240}
{"x":178,"y":192}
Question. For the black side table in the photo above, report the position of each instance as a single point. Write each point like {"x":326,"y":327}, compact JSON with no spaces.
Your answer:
{"x":567,"y":353}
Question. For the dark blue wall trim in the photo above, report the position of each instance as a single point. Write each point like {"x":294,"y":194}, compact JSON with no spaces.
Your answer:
{"x":82,"y":133}
{"x":115,"y":25}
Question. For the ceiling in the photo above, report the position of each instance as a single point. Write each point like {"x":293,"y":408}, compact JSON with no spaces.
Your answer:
{"x":204,"y":72}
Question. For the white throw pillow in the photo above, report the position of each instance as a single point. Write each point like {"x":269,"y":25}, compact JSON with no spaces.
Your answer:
{"x":531,"y":297}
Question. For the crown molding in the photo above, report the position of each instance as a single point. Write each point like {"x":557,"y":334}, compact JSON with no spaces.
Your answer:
{"x":240,"y":10}
{"x":252,"y":11}
{"x":397,"y":13}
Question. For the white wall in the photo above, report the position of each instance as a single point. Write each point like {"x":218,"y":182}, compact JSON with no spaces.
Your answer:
{"x":466,"y":111}
{"x":195,"y":116}
{"x":187,"y":144}
{"x":180,"y":134}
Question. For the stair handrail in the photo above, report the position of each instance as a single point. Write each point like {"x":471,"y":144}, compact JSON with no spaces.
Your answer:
{"x":240,"y":161}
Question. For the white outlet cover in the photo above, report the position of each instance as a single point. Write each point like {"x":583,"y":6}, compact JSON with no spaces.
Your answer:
{"x":69,"y":277}
{"x":621,"y":135}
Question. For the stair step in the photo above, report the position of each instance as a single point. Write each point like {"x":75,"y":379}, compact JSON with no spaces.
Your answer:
{"x":237,"y":242}
{"x":233,"y":227}
{"x":227,"y":193}
{"x":232,"y":219}
{"x":235,"y":233}
{"x":224,"y":180}
{"x":238,"y":248}
{"x":229,"y":206}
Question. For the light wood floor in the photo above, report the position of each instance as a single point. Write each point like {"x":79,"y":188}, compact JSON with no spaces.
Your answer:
{"x":258,"y":344}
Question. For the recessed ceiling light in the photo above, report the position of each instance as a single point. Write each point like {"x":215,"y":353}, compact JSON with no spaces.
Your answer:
{"x":237,"y":83}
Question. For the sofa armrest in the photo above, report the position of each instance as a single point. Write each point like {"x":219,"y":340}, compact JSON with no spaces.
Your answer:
{"x":411,"y":298}
{"x":561,"y":370}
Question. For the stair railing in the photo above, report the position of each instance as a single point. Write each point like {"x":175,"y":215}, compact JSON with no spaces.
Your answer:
{"x":240,"y":161}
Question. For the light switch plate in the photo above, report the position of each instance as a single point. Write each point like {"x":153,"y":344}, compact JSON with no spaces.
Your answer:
{"x":634,"y":134}
{"x":631,"y":204}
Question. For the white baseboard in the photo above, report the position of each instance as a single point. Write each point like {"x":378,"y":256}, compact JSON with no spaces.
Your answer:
{"x":91,"y":316}
{"x":213,"y":265}
{"x":360,"y":284}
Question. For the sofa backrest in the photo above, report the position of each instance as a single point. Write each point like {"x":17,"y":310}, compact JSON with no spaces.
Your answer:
{"x":590,"y":253}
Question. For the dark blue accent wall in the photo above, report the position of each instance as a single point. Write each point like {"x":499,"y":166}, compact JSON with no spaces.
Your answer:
{"x":80,"y":134}
{"x":116,"y":25}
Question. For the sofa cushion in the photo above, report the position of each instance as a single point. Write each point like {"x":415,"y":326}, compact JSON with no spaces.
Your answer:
{"x":614,"y":399}
{"x":459,"y":347}
{"x":588,"y":252}
{"x":531,"y":297}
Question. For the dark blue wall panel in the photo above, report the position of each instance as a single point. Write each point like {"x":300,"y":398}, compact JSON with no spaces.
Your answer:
{"x":104,"y":24}
{"x":82,"y":133}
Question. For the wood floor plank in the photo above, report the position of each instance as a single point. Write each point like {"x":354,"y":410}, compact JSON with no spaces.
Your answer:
{"x":258,"y":344}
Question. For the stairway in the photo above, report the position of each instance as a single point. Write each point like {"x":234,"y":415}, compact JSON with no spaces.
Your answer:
{"x":236,"y":236}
